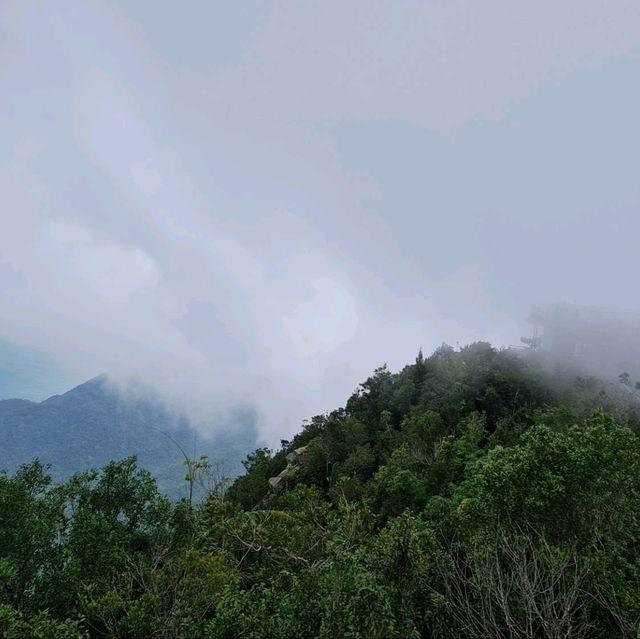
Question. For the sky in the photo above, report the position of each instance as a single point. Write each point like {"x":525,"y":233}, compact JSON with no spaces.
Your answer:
{"x":261,"y":202}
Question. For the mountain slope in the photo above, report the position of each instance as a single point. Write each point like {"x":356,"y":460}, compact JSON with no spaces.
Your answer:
{"x":92,"y":424}
{"x":474,"y":493}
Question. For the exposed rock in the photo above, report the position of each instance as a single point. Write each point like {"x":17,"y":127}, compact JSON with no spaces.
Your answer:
{"x":295,"y":455}
{"x":277,"y":483}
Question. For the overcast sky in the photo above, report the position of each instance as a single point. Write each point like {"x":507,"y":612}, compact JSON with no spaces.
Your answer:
{"x":262,"y":201}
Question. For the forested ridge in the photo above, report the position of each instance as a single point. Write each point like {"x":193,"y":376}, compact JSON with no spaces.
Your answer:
{"x":475,"y":493}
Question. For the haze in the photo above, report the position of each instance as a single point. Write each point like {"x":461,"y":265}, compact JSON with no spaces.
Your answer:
{"x":261,"y":202}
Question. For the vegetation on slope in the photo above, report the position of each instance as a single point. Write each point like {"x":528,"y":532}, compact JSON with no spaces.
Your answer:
{"x":472,"y":494}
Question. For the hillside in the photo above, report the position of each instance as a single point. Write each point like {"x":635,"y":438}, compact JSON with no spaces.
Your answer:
{"x":428,"y":403}
{"x":92,"y":424}
{"x":472,"y":494}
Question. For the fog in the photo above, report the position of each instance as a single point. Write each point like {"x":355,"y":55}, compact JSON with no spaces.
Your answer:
{"x":258,"y":203}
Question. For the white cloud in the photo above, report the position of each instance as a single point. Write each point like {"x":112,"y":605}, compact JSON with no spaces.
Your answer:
{"x":265,"y":221}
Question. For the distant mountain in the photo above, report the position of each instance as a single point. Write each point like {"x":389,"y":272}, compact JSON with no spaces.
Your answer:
{"x":92,"y":424}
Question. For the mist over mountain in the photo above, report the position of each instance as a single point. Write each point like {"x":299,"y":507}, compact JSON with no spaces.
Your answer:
{"x":265,"y":201}
{"x":476,"y":492}
{"x":302,"y":240}
{"x":95,"y":423}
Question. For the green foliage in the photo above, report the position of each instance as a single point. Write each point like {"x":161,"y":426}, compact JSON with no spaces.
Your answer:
{"x":581,"y":484}
{"x":469,"y":495}
{"x":13,"y":625}
{"x":253,"y":485}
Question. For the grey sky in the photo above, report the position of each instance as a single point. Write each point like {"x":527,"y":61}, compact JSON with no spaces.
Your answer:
{"x":262,"y":201}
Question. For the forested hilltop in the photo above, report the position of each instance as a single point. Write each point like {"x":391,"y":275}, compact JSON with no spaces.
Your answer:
{"x":472,"y":494}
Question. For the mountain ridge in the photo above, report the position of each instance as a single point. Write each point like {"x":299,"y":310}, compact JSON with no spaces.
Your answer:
{"x":93,"y":423}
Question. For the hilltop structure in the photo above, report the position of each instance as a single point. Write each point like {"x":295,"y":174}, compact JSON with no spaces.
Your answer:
{"x":602,"y":341}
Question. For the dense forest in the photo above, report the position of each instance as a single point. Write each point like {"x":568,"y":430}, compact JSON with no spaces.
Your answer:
{"x":475,"y":493}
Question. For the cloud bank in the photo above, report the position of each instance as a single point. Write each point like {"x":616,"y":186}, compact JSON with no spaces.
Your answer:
{"x":259,"y":205}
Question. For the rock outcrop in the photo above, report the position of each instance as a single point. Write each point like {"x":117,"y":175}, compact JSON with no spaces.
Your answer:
{"x":293,"y":459}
